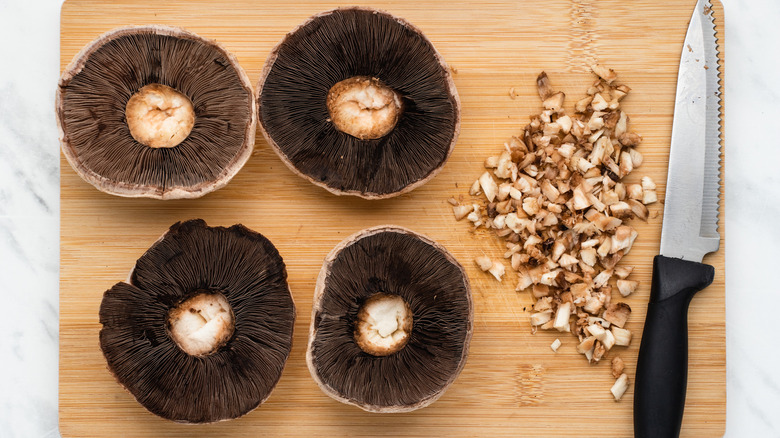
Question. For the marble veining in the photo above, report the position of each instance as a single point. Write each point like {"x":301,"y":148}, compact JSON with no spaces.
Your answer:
{"x":29,"y":217}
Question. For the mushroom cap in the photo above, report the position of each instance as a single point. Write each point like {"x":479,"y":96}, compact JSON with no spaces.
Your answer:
{"x":189,"y":259}
{"x":330,"y":47}
{"x":392,"y":260}
{"x":95,"y":87}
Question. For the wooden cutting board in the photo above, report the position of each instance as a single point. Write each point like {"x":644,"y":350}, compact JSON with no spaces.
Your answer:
{"x":513,"y":383}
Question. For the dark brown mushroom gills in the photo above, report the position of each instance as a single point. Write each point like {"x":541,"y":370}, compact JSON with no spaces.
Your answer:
{"x":394,"y":261}
{"x":158,"y":116}
{"x":364,"y":107}
{"x":384,"y":323}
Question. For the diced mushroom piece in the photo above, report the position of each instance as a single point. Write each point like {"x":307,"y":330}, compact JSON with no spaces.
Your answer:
{"x":605,"y":73}
{"x":582,"y":105}
{"x":622,"y":336}
{"x":617,"y":366}
{"x":621,"y":126}
{"x":549,"y":278}
{"x":540,"y":318}
{"x":648,"y":189}
{"x":649,"y":197}
{"x":567,"y":261}
{"x":543,"y":304}
{"x":540,"y":290}
{"x":503,"y":191}
{"x":621,"y":210}
{"x":543,"y":86}
{"x":620,"y":189}
{"x":648,"y":183}
{"x":608,"y":340}
{"x":617,"y":314}
{"x":636,"y":157}
{"x":562,"y":317}
{"x":491,"y":162}
{"x":634,"y":191}
{"x":604,"y":248}
{"x":475,"y":190}
{"x":554,"y":102}
{"x":622,"y":272}
{"x":599,"y":103}
{"x":461,"y":211}
{"x":565,"y":123}
{"x":531,"y":205}
{"x":483,"y":262}
{"x":580,"y":292}
{"x":626,"y":164}
{"x":588,"y":256}
{"x":596,"y":330}
{"x":497,"y":270}
{"x":555,"y":345}
{"x":504,"y":167}
{"x":621,"y":239}
{"x":566,"y":150}
{"x":598,"y":351}
{"x":627,"y":287}
{"x":579,"y":200}
{"x":630,"y":139}
{"x":638,"y":209}
{"x":594,"y":304}
{"x":610,"y":197}
{"x":620,"y":386}
{"x":586,"y":345}
{"x":524,"y":280}
{"x":489,"y":186}
{"x":602,"y":279}
{"x":549,"y":191}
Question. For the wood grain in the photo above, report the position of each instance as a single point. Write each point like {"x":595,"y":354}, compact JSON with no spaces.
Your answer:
{"x":513,"y":384}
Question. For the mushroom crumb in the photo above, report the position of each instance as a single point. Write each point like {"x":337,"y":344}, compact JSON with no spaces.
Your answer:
{"x":617,"y":366}
{"x":561,"y":194}
{"x":555,"y":345}
{"x":620,"y":387}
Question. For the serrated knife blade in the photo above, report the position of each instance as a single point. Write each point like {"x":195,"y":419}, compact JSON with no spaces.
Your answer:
{"x":689,"y":231}
{"x":690,"y":224}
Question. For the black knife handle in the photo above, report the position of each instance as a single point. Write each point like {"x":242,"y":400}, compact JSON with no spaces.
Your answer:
{"x":662,"y":367}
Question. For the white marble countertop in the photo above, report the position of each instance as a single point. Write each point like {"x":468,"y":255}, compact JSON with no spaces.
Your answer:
{"x":29,"y":217}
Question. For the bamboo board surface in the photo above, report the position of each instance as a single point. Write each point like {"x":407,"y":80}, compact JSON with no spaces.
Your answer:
{"x":513,"y":384}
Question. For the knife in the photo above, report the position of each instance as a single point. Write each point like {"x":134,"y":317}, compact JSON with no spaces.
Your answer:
{"x":690,"y":230}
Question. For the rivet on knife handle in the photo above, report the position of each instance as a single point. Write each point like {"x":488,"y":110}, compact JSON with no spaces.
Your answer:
{"x":662,"y":369}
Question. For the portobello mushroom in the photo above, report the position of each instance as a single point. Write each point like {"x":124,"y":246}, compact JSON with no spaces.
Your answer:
{"x":391,"y":322}
{"x":359,"y":102}
{"x":203,"y":327}
{"x":155,"y":112}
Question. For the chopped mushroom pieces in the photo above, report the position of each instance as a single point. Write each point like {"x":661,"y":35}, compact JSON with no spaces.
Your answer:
{"x":622,"y":336}
{"x":555,"y":345}
{"x":617,"y":366}
{"x":620,"y":386}
{"x":627,"y":287}
{"x":498,"y":269}
{"x":483,"y":262}
{"x":563,"y":194}
{"x":617,"y":314}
